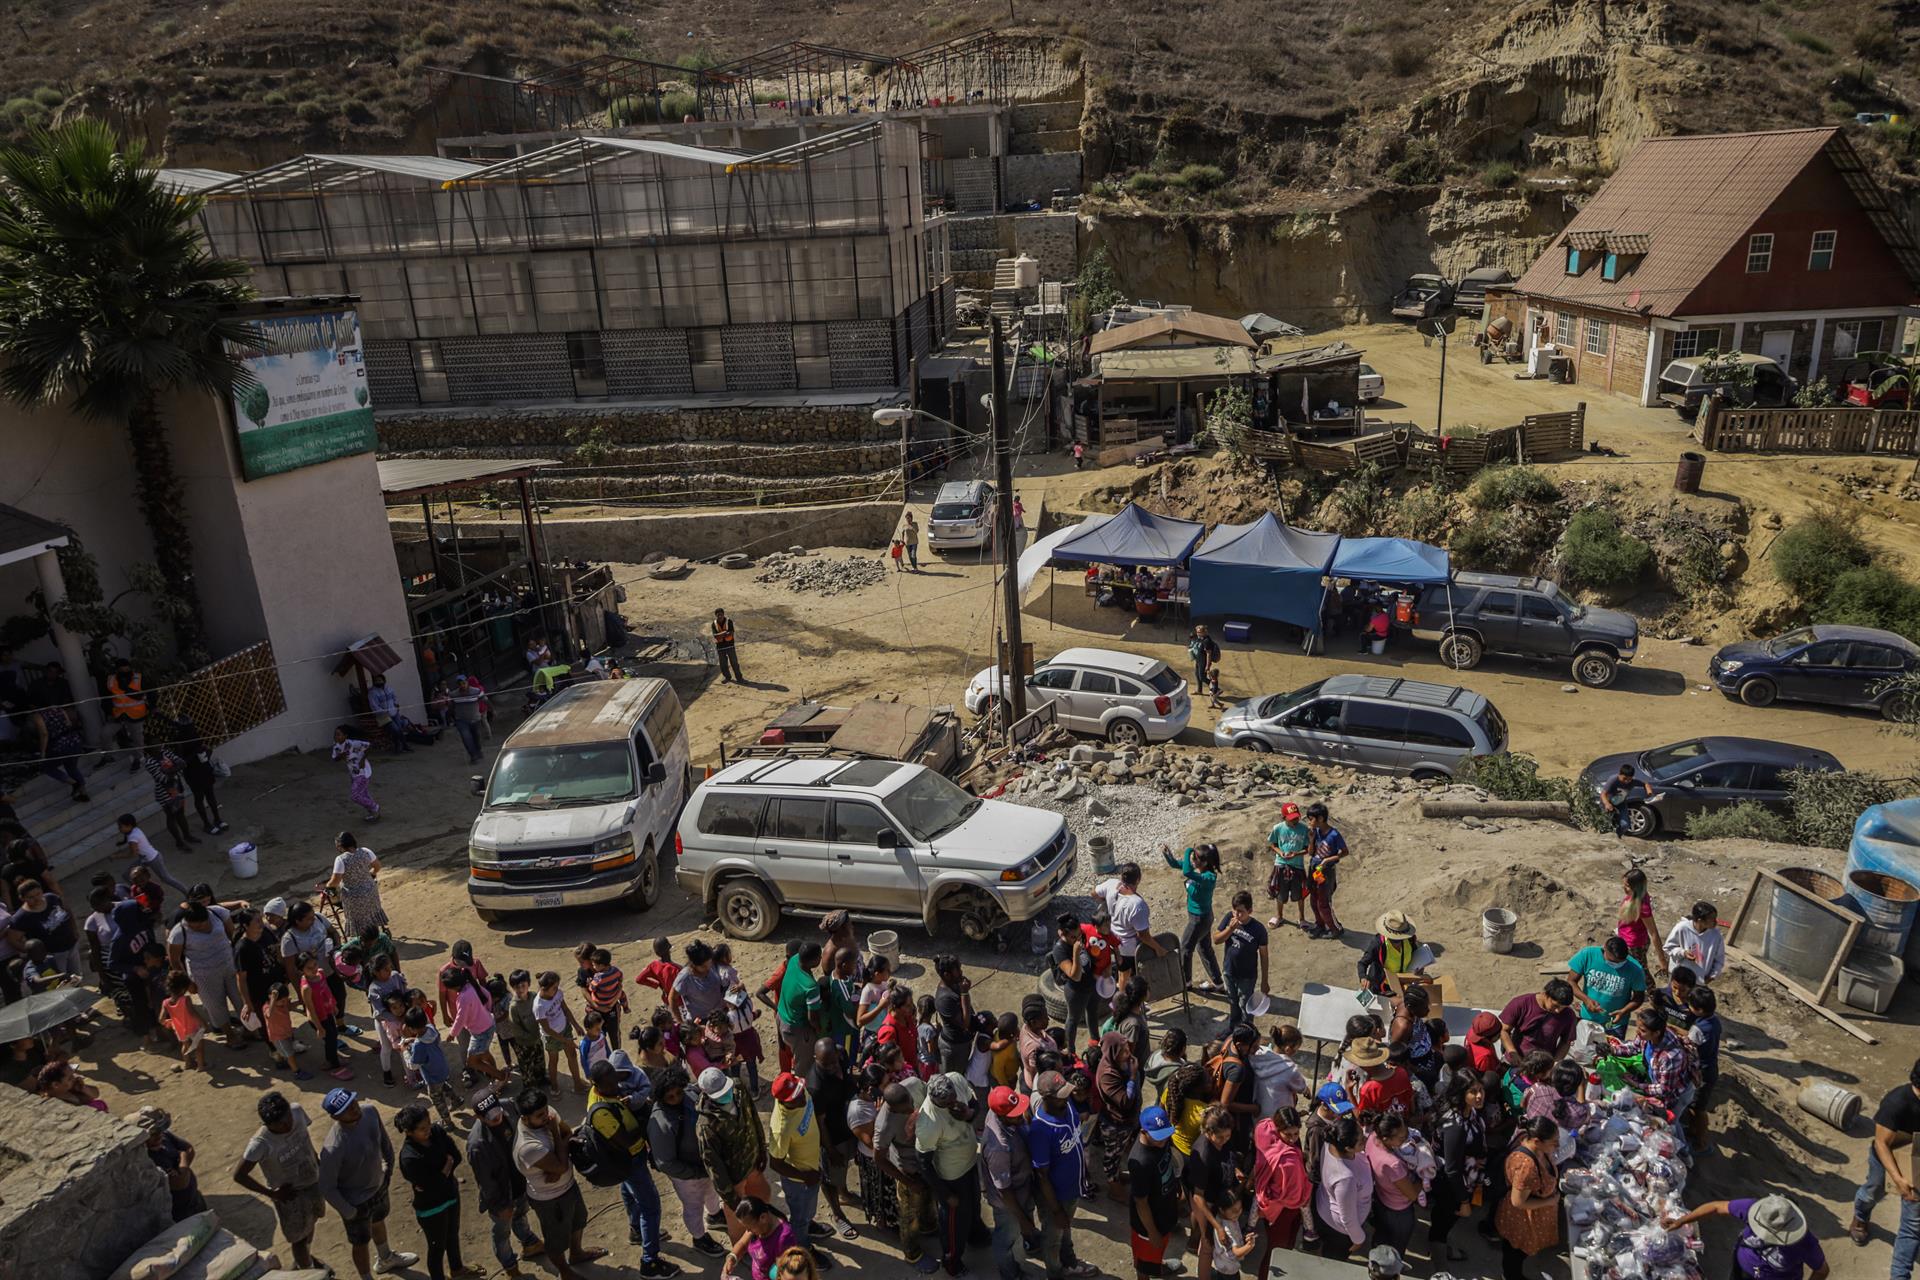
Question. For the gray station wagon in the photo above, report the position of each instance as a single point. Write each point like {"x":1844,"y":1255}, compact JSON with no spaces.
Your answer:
{"x":1381,"y":723}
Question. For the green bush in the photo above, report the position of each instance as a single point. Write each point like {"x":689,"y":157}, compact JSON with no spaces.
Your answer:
{"x":1405,"y":58}
{"x":314,"y":110}
{"x":1875,"y":44}
{"x":1744,"y":821}
{"x":1872,"y":597}
{"x":1499,"y":175}
{"x":1424,"y":513}
{"x":1825,"y":804}
{"x":1597,"y":553}
{"x":1503,"y":487}
{"x":1201,"y":177}
{"x":1810,"y":42}
{"x":1144,"y":183}
{"x":1516,"y":776}
{"x":22,"y":111}
{"x":437,"y":33}
{"x":1421,"y":164}
{"x":274,"y":98}
{"x":1811,"y":555}
{"x":48,"y":96}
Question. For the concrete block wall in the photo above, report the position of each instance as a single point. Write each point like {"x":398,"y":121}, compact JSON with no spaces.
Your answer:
{"x":1034,"y":177}
{"x":1052,"y":240}
{"x":976,"y":185}
{"x":1040,"y":117}
{"x":77,"y":1190}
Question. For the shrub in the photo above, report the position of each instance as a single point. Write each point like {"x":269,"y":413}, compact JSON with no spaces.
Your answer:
{"x":1499,"y":175}
{"x":1825,"y":804}
{"x":1424,"y":513}
{"x":48,"y":96}
{"x":1810,"y":42}
{"x":1406,"y":57}
{"x":1744,"y":821}
{"x":1597,"y":553}
{"x":314,"y":110}
{"x":1099,"y":287}
{"x":274,"y":98}
{"x":1811,"y":555}
{"x":1516,"y":776}
{"x":1201,"y":177}
{"x":1421,"y":164}
{"x":1144,"y":183}
{"x":1500,"y":488}
{"x":1874,"y":596}
{"x":437,"y":33}
{"x":1874,"y":44}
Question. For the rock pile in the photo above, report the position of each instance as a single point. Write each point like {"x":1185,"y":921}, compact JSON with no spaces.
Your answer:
{"x":818,"y":576}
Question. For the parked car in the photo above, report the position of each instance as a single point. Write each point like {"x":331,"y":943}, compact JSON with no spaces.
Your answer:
{"x":962,"y":516}
{"x":581,"y":803}
{"x":1424,"y":296}
{"x":1705,"y":774}
{"x":1373,"y":384}
{"x":1833,"y":666}
{"x":1122,"y":697}
{"x":893,"y":843}
{"x":1381,"y":723}
{"x":1480,"y":613}
{"x":1471,"y":293}
{"x":1685,"y":383}
{"x":1861,"y":391}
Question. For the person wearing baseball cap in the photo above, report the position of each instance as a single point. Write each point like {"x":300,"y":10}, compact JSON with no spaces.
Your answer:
{"x":732,"y":1143}
{"x":1332,"y":1099}
{"x":1288,"y":882}
{"x":793,"y":1149}
{"x":1153,"y":1190}
{"x":1009,"y":1177}
{"x":501,"y":1187}
{"x":1053,"y":1140}
{"x":1385,"y":1263}
{"x":356,"y":1164}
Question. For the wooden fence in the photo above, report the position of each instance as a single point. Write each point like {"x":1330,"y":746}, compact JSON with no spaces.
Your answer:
{"x":1536,"y":438}
{"x":1847,"y":429}
{"x":226,"y":698}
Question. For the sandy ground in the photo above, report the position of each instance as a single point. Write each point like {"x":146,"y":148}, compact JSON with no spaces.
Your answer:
{"x":921,"y":635}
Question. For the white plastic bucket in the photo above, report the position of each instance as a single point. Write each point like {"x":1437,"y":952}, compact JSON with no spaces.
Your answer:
{"x":1379,"y":645}
{"x":244,"y":858}
{"x":885,"y":942}
{"x":1496,"y":930}
{"x":1830,"y":1102}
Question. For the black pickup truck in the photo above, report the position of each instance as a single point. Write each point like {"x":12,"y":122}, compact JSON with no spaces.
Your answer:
{"x":1481,"y":613}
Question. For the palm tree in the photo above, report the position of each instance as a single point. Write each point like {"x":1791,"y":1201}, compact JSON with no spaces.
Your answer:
{"x":109,"y":300}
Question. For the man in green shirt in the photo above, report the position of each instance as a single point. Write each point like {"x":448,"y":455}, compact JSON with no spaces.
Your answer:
{"x":800,"y":1010}
{"x":1201,"y":868}
{"x":1608,"y":984}
{"x":1289,"y":840}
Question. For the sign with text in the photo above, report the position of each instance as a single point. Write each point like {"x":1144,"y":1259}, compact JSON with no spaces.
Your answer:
{"x":307,"y":400}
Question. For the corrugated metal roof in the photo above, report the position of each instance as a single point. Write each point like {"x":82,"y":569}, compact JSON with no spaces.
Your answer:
{"x":677,"y":150}
{"x":415,"y":475}
{"x":1193,"y":324}
{"x":1309,"y":357}
{"x":1164,"y":364}
{"x":187,"y":181}
{"x":1692,"y":198}
{"x":431,"y":168}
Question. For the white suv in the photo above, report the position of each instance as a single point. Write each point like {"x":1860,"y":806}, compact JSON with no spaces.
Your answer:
{"x":1124,"y":698}
{"x":892,"y":843}
{"x":962,"y":515}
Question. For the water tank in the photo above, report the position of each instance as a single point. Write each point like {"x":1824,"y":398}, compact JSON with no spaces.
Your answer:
{"x":1026,"y":272}
{"x":1886,"y":842}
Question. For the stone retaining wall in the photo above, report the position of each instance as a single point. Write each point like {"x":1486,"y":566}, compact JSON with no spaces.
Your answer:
{"x":548,"y":431}
{"x":77,"y":1190}
{"x":699,"y":534}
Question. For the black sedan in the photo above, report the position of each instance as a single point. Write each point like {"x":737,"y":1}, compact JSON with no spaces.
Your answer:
{"x":1834,"y":666}
{"x":1701,"y":775}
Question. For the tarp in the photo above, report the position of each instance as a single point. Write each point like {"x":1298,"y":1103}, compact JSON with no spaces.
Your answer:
{"x":1035,"y":557}
{"x":1390,"y":560}
{"x":1135,"y":536}
{"x":1262,"y":570}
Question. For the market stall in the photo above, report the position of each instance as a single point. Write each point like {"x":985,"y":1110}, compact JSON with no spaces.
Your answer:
{"x":1137,"y":559}
{"x":1263,"y":570}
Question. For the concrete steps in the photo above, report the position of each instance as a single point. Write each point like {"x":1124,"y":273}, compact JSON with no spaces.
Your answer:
{"x":74,"y":833}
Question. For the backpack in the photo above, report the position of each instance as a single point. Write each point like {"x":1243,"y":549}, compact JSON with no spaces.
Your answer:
{"x":596,"y":1157}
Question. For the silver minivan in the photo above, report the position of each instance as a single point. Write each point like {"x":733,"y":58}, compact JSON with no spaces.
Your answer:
{"x":963,"y":514}
{"x":1380,"y":723}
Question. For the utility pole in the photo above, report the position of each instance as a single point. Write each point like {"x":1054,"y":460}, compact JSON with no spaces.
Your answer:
{"x":1016,"y":679}
{"x":1440,"y":405}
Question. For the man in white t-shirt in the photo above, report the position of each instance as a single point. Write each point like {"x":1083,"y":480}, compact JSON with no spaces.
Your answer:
{"x":540,"y":1151}
{"x":1128,"y":913}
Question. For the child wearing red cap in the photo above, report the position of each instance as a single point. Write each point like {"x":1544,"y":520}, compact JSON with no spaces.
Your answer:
{"x":1288,"y":840}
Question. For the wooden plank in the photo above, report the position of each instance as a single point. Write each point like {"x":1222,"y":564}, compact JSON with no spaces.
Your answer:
{"x":1801,"y":992}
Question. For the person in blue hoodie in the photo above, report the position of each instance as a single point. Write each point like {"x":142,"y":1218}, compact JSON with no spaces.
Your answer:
{"x":425,"y":1055}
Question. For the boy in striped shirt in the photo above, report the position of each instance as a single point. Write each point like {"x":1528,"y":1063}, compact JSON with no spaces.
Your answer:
{"x":607,"y":992}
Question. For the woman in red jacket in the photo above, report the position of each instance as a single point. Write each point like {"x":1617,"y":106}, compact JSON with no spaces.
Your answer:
{"x":899,"y":1027}
{"x":1280,"y":1186}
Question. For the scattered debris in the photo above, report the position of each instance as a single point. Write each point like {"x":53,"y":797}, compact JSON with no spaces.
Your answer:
{"x":821,"y":577}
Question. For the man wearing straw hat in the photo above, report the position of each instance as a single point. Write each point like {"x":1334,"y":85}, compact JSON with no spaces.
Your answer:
{"x":1774,"y":1243}
{"x":1392,"y":954}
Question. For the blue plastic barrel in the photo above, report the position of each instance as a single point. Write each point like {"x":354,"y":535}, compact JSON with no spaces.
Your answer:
{"x":1886,"y":842}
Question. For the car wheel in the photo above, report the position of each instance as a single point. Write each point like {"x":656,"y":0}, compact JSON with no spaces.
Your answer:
{"x":487,"y":916}
{"x":980,"y":917}
{"x":746,"y":910}
{"x":989,"y":707}
{"x":1758,"y":692}
{"x":1594,"y":669}
{"x":1126,"y":733}
{"x":1427,"y":777}
{"x":1642,"y":823}
{"x":1900,"y":707}
{"x":1460,"y":651}
{"x":647,"y":891}
{"x":1259,"y":746}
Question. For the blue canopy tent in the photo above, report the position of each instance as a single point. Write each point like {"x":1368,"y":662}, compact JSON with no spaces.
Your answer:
{"x":1263,"y":570}
{"x":1135,"y":536}
{"x":1397,"y":560}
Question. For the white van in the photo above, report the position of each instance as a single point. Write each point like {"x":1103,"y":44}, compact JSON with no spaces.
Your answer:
{"x":582,"y":801}
{"x":963,"y":515}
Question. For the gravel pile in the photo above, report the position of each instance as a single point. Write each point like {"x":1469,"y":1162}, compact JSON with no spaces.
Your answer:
{"x":1137,"y":821}
{"x":821,"y":577}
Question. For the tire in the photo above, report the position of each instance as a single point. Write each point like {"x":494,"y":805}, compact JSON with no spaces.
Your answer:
{"x":1642,"y":822}
{"x":1460,"y":651}
{"x":1126,"y":733}
{"x":1899,"y":708}
{"x":1594,"y":668}
{"x":1428,"y":776}
{"x":1259,"y":746}
{"x":736,"y":560}
{"x":1055,"y":998}
{"x":980,"y":917}
{"x":988,"y":706}
{"x":487,"y":916}
{"x":1758,"y":692}
{"x":747,"y":911}
{"x":647,"y":892}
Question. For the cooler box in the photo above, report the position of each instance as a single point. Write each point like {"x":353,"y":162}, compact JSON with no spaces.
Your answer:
{"x":1238,"y":632}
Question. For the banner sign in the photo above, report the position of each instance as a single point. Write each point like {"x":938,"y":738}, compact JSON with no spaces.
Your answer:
{"x":308,"y":401}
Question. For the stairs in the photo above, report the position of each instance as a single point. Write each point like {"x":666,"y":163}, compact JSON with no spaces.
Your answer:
{"x":75,"y":834}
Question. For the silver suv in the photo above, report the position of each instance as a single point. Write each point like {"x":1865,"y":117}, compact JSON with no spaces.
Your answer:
{"x":1381,"y":723}
{"x":892,"y":843}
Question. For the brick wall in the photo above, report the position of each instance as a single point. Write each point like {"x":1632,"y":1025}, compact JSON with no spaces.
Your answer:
{"x":1619,"y":367}
{"x":1802,"y":331}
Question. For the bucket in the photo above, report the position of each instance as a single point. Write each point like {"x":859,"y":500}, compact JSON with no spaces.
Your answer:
{"x":1686,"y":477}
{"x":1379,"y":645}
{"x":1800,"y":938}
{"x":885,"y":942}
{"x":1889,"y":903}
{"x":244,"y":858}
{"x":1496,"y":930}
{"x":1100,"y":848}
{"x":1827,"y":1101}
